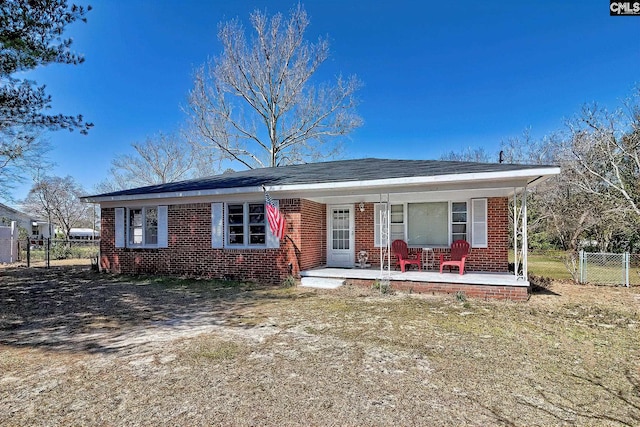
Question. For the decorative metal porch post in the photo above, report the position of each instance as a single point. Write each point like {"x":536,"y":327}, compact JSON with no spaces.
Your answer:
{"x":385,"y":243}
{"x":520,"y":234}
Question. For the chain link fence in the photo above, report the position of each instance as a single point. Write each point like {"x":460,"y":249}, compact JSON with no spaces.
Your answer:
{"x":634,"y":269}
{"x":609,"y":268}
{"x":45,"y":250}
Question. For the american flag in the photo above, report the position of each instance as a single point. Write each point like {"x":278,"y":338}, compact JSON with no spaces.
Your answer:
{"x":275,"y":218}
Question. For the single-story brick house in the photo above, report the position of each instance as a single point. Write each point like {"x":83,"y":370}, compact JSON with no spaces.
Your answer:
{"x":217,"y":227}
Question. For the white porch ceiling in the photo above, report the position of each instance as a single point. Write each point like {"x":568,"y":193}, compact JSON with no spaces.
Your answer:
{"x":408,"y":193}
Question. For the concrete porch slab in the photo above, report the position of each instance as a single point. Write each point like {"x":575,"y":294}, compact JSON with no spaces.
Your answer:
{"x":321,"y":282}
{"x":469,"y":278}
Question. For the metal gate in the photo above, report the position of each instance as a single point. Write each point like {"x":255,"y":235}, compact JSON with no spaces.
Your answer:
{"x":609,"y":268}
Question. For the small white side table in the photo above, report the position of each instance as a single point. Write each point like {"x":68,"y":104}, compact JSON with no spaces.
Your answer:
{"x":428,"y":259}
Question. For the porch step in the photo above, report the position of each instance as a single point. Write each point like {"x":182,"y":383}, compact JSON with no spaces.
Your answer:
{"x":321,"y":282}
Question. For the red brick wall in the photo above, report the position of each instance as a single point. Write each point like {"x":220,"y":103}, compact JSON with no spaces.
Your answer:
{"x":494,"y":258}
{"x":109,"y":259}
{"x":313,"y":234}
{"x":365,"y":233}
{"x":189,"y":252}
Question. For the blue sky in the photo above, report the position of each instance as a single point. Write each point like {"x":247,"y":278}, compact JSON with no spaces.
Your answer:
{"x":438,"y":76}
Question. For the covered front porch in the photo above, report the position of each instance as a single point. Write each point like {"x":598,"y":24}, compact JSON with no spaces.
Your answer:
{"x":485,"y":285}
{"x":428,"y":217}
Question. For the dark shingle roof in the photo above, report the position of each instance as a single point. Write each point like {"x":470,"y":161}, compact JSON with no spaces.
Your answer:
{"x":325,"y":172}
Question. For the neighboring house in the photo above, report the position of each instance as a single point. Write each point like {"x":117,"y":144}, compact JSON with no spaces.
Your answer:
{"x":216,"y":226}
{"x":84,"y":234}
{"x":36,"y":228}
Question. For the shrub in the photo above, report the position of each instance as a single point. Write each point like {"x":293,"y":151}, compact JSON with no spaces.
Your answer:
{"x":60,"y":251}
{"x":289,"y":282}
{"x":383,"y":286}
{"x":461,"y":297}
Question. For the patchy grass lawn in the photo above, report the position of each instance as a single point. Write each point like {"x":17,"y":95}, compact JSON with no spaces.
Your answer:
{"x":549,"y":264}
{"x":83,"y":348}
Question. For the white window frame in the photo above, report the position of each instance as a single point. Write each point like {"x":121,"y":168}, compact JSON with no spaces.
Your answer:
{"x":245,"y":226}
{"x":119,"y":232}
{"x":479,"y":225}
{"x":469,"y":224}
{"x":467,"y":227}
{"x":220,"y":226}
{"x":217,"y":225}
{"x":161,"y":230}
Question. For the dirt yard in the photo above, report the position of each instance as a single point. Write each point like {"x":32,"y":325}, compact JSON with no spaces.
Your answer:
{"x":83,"y":348}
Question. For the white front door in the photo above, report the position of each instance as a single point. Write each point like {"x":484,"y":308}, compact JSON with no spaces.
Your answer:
{"x":340,"y":236}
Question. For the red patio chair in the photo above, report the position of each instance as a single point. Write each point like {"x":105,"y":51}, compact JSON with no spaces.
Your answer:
{"x":400,"y":250}
{"x":459,"y":252}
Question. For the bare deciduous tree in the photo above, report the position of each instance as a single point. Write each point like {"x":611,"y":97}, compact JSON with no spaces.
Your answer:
{"x":255,"y":103}
{"x":565,"y":212}
{"x":558,"y":210}
{"x":19,"y":156}
{"x":157,"y":160}
{"x":522,"y":149}
{"x":525,"y":149}
{"x":596,"y":198}
{"x":58,"y":199}
{"x":603,"y":151}
{"x":469,"y":154}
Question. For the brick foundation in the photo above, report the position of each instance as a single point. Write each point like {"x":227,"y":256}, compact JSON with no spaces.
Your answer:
{"x":499,"y":292}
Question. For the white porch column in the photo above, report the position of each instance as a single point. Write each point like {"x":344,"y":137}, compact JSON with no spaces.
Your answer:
{"x":525,"y":237}
{"x":385,"y":236}
{"x":516,"y":262}
{"x":520,"y":251}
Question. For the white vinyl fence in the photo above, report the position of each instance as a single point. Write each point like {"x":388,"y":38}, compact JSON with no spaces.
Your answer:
{"x":9,"y":243}
{"x":609,"y":268}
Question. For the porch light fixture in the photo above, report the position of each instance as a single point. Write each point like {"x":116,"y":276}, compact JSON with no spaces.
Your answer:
{"x":361,"y":206}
